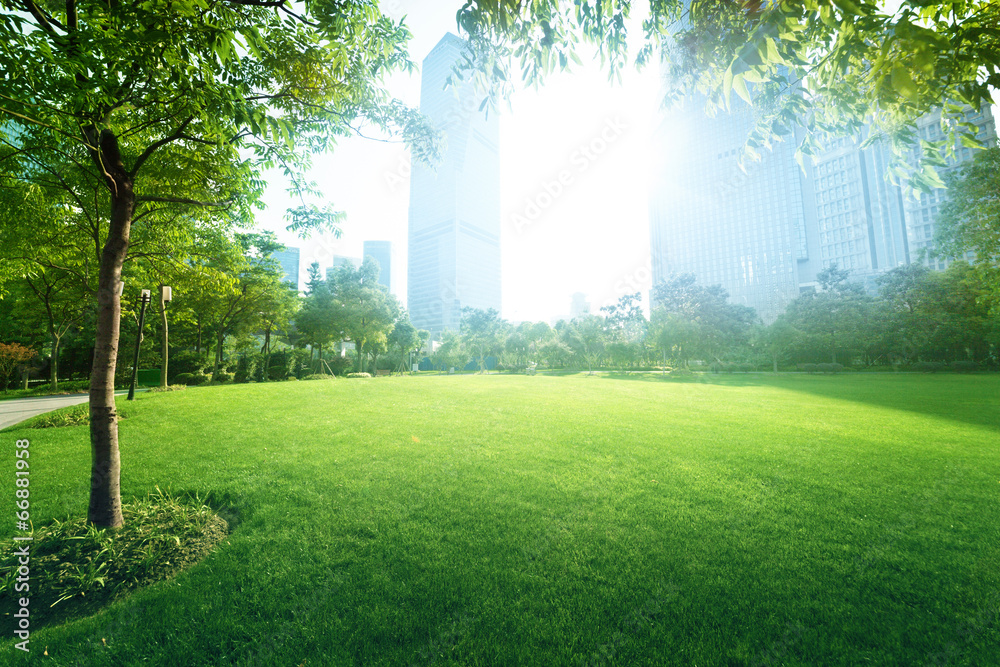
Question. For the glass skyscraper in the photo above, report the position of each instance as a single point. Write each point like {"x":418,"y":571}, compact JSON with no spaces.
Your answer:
{"x":381,"y":251}
{"x":454,"y":229}
{"x":765,"y":234}
{"x":289,"y":261}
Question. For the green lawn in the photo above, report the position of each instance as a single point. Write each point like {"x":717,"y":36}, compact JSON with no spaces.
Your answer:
{"x":744,"y":520}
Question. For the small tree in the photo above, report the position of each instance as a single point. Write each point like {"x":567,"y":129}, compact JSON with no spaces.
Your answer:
{"x":12,"y":356}
{"x":482,"y":333}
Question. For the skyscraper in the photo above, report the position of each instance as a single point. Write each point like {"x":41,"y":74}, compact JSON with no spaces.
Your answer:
{"x":765,"y":234}
{"x":454,"y":229}
{"x":289,"y":260}
{"x":341,"y":260}
{"x":381,"y":251}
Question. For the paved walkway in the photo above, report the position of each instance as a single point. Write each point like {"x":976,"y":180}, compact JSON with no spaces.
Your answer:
{"x":17,"y":410}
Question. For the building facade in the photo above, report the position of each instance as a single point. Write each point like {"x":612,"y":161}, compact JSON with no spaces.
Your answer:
{"x":765,"y":233}
{"x":289,"y":261}
{"x":454,"y":215}
{"x":381,"y":252}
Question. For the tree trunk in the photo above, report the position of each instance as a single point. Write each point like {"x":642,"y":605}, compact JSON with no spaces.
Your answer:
{"x":218,"y":356}
{"x":774,"y":359}
{"x":197,"y":347}
{"x":267,"y":353}
{"x":105,"y":510}
{"x":54,"y":364}
{"x":163,"y":316}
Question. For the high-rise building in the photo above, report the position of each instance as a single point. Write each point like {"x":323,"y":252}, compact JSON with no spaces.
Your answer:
{"x":289,"y":261}
{"x":341,"y":260}
{"x":578,"y":305}
{"x":765,"y":233}
{"x":381,"y":252}
{"x":454,"y":228}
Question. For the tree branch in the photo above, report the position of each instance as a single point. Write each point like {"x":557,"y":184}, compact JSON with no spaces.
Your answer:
{"x":182,"y":200}
{"x":152,"y":148}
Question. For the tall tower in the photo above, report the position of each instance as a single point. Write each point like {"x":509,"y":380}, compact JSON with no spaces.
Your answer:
{"x":381,"y":251}
{"x":454,"y":231}
{"x":765,"y":234}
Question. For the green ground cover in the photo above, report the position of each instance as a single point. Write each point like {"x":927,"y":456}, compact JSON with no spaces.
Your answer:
{"x":470,"y":520}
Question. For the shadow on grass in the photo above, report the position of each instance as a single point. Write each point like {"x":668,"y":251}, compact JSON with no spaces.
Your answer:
{"x":969,"y":398}
{"x":77,"y":569}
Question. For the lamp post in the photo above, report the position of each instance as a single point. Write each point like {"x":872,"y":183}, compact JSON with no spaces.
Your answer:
{"x":166,"y":295}
{"x":144,"y":299}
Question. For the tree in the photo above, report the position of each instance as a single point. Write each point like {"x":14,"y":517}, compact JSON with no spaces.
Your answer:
{"x":586,"y":336}
{"x":833,"y":318}
{"x":367,"y":310}
{"x":482,"y":333}
{"x":209,"y":93}
{"x":11,"y":356}
{"x":719,"y":326}
{"x":449,"y":352}
{"x":626,"y":325}
{"x":827,"y":66}
{"x":320,"y":319}
{"x":405,"y":338}
{"x":62,"y":307}
{"x":970,"y":219}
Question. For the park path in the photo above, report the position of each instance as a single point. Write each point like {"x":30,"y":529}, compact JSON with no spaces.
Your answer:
{"x":17,"y":410}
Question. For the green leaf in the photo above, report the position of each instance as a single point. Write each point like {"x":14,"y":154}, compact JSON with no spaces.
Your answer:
{"x":903,"y":83}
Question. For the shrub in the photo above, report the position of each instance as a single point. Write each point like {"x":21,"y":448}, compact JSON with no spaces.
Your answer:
{"x":929,"y":366}
{"x":191,"y":379}
{"x":77,"y":415}
{"x":172,"y":387}
{"x":246,"y":368}
{"x":359,"y":375}
{"x":318,"y":376}
{"x":715,"y":367}
{"x":964,"y":366}
{"x":185,"y":362}
{"x":829,"y":368}
{"x":680,"y":372}
{"x":809,"y":368}
{"x":224,"y":377}
{"x":340,"y":365}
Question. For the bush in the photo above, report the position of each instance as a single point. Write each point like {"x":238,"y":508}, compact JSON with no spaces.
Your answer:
{"x":716,"y":367}
{"x":246,"y":368}
{"x":809,"y":368}
{"x":964,"y":366}
{"x":340,"y":365}
{"x":191,"y":379}
{"x":359,"y":375}
{"x":829,"y":368}
{"x":185,"y":361}
{"x":222,"y":378}
{"x":929,"y":366}
{"x":680,"y":373}
{"x":318,"y":376}
{"x":171,"y":387}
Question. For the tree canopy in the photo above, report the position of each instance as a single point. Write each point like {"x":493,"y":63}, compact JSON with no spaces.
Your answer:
{"x":828,"y":66}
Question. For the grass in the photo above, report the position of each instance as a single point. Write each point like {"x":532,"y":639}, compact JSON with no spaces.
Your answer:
{"x":795,"y":520}
{"x":80,"y":568}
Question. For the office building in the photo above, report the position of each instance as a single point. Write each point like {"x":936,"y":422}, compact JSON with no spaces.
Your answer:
{"x":341,"y":260}
{"x":454,"y":217}
{"x":289,"y":261}
{"x":765,"y":233}
{"x":381,"y":252}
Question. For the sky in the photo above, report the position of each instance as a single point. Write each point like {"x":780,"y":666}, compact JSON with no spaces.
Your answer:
{"x":589,"y":236}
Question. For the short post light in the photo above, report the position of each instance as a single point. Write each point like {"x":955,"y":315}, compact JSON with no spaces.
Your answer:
{"x":144,"y":299}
